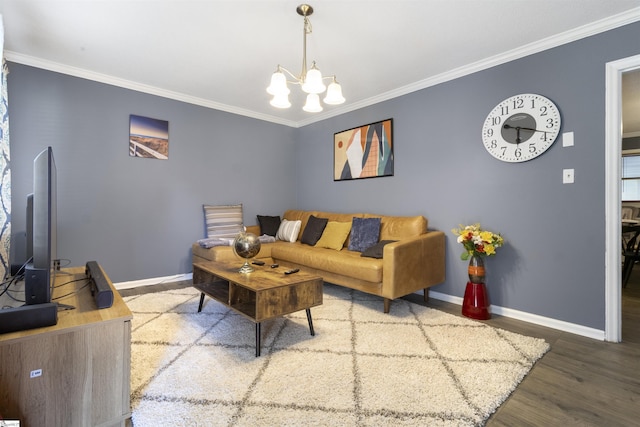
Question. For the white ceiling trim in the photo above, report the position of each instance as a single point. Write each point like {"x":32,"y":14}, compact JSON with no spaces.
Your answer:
{"x":569,"y":36}
{"x":597,"y":27}
{"x":139,"y":87}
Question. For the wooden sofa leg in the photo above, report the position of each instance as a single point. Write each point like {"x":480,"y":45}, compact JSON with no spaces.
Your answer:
{"x":426,"y":294}
{"x":387,"y":305}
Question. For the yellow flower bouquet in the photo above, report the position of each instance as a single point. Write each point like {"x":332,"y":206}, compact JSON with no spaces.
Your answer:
{"x":477,"y":241}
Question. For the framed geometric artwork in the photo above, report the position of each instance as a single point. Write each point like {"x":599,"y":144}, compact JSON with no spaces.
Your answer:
{"x":148,"y":138}
{"x":363,"y":152}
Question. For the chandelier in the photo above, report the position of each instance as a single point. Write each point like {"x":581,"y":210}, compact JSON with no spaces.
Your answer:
{"x":310,"y":81}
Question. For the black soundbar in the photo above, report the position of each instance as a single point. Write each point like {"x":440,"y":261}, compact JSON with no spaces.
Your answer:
{"x":100,"y":288}
{"x":28,"y":317}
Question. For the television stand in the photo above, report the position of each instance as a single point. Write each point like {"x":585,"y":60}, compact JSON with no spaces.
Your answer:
{"x":75,"y":373}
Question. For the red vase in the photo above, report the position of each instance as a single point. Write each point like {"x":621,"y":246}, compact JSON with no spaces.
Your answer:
{"x":476,"y":301}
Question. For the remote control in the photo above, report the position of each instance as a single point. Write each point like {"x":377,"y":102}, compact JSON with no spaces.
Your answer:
{"x":258,"y":262}
{"x":274,"y":266}
{"x":295,"y":270}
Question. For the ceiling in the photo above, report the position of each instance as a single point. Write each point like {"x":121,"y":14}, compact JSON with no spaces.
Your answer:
{"x":221,"y":54}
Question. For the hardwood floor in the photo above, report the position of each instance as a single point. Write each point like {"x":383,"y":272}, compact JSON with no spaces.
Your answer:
{"x":579,"y":382}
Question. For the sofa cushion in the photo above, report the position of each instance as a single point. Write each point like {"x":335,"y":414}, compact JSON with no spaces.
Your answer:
{"x":269,"y":225}
{"x":345,"y":263}
{"x":223,"y":220}
{"x":365,"y":233}
{"x":377,"y":250}
{"x":401,"y":227}
{"x":313,"y":231}
{"x":334,"y":235}
{"x":288,"y":230}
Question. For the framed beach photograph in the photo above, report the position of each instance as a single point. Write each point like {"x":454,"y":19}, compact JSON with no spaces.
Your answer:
{"x":363,"y":152}
{"x":148,"y":137}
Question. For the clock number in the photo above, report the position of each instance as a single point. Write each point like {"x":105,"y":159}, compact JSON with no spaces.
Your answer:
{"x":494,"y":143}
{"x":496,"y":121}
{"x":504,"y":110}
{"x":504,"y":150}
{"x":549,"y":123}
{"x":490,"y":132}
{"x":532,"y":148}
{"x":518,"y":103}
{"x":543,"y":110}
{"x":517,"y":152}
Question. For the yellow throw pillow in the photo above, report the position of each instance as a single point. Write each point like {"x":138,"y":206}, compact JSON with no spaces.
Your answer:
{"x":334,"y":235}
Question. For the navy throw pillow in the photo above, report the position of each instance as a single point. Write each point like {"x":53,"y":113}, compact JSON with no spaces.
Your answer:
{"x":365,"y":233}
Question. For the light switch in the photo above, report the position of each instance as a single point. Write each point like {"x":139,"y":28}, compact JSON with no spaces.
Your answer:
{"x":567,"y":176}
{"x":567,"y":139}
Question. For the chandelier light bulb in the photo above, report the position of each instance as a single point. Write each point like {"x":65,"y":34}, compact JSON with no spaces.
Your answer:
{"x":313,"y":104}
{"x":334,"y":94}
{"x":313,"y":81}
{"x":281,"y":101}
{"x":278,"y":84}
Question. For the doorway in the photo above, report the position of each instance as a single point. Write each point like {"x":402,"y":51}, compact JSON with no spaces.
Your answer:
{"x":613,"y":160}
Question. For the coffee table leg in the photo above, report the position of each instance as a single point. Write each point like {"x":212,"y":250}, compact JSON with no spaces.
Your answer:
{"x":310,"y":322}
{"x":201,"y":301}
{"x":258,"y":339}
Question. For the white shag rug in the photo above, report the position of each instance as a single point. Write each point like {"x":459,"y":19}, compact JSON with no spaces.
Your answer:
{"x":415,"y":366}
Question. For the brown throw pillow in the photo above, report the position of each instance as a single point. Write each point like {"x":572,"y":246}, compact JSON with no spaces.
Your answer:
{"x":313,"y":231}
{"x":269,"y":225}
{"x":376,"y":250}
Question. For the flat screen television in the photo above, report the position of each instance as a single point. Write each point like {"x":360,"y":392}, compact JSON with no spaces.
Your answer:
{"x":41,"y":231}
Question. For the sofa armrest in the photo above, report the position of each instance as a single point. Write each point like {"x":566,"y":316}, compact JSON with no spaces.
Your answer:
{"x":413,"y":264}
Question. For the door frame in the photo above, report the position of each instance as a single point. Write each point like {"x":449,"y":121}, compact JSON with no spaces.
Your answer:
{"x":612,"y":194}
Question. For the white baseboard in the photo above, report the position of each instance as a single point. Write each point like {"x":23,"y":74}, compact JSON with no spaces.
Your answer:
{"x":530,"y":318}
{"x":154,"y":281}
{"x":495,"y":309}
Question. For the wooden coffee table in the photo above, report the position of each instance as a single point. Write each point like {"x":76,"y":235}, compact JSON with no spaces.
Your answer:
{"x":261,"y":295}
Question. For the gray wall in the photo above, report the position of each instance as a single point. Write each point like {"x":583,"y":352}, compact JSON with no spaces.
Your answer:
{"x":553,"y":261}
{"x":139,"y":217}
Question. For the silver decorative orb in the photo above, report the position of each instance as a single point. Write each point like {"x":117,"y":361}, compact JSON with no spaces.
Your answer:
{"x":246,"y":245}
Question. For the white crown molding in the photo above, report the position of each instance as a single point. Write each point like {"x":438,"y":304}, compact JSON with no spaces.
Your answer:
{"x":615,"y":21}
{"x":139,"y":87}
{"x":575,"y":34}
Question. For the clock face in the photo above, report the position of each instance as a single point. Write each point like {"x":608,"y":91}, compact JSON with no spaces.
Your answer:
{"x":521,"y":128}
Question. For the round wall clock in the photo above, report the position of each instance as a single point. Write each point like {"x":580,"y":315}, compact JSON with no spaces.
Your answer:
{"x":521,"y":128}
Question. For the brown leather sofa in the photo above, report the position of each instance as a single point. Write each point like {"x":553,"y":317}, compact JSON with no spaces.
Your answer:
{"x":415,"y":261}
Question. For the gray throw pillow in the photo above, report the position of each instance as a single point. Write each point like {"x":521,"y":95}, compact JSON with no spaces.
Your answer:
{"x":313,"y":230}
{"x":223,"y":220}
{"x":365,"y":233}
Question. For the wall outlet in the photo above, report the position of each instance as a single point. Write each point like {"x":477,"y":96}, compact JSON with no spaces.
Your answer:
{"x":567,"y":176}
{"x":35,"y":373}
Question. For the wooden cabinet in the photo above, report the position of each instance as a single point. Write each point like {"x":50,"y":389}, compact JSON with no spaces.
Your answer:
{"x":84,"y":363}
